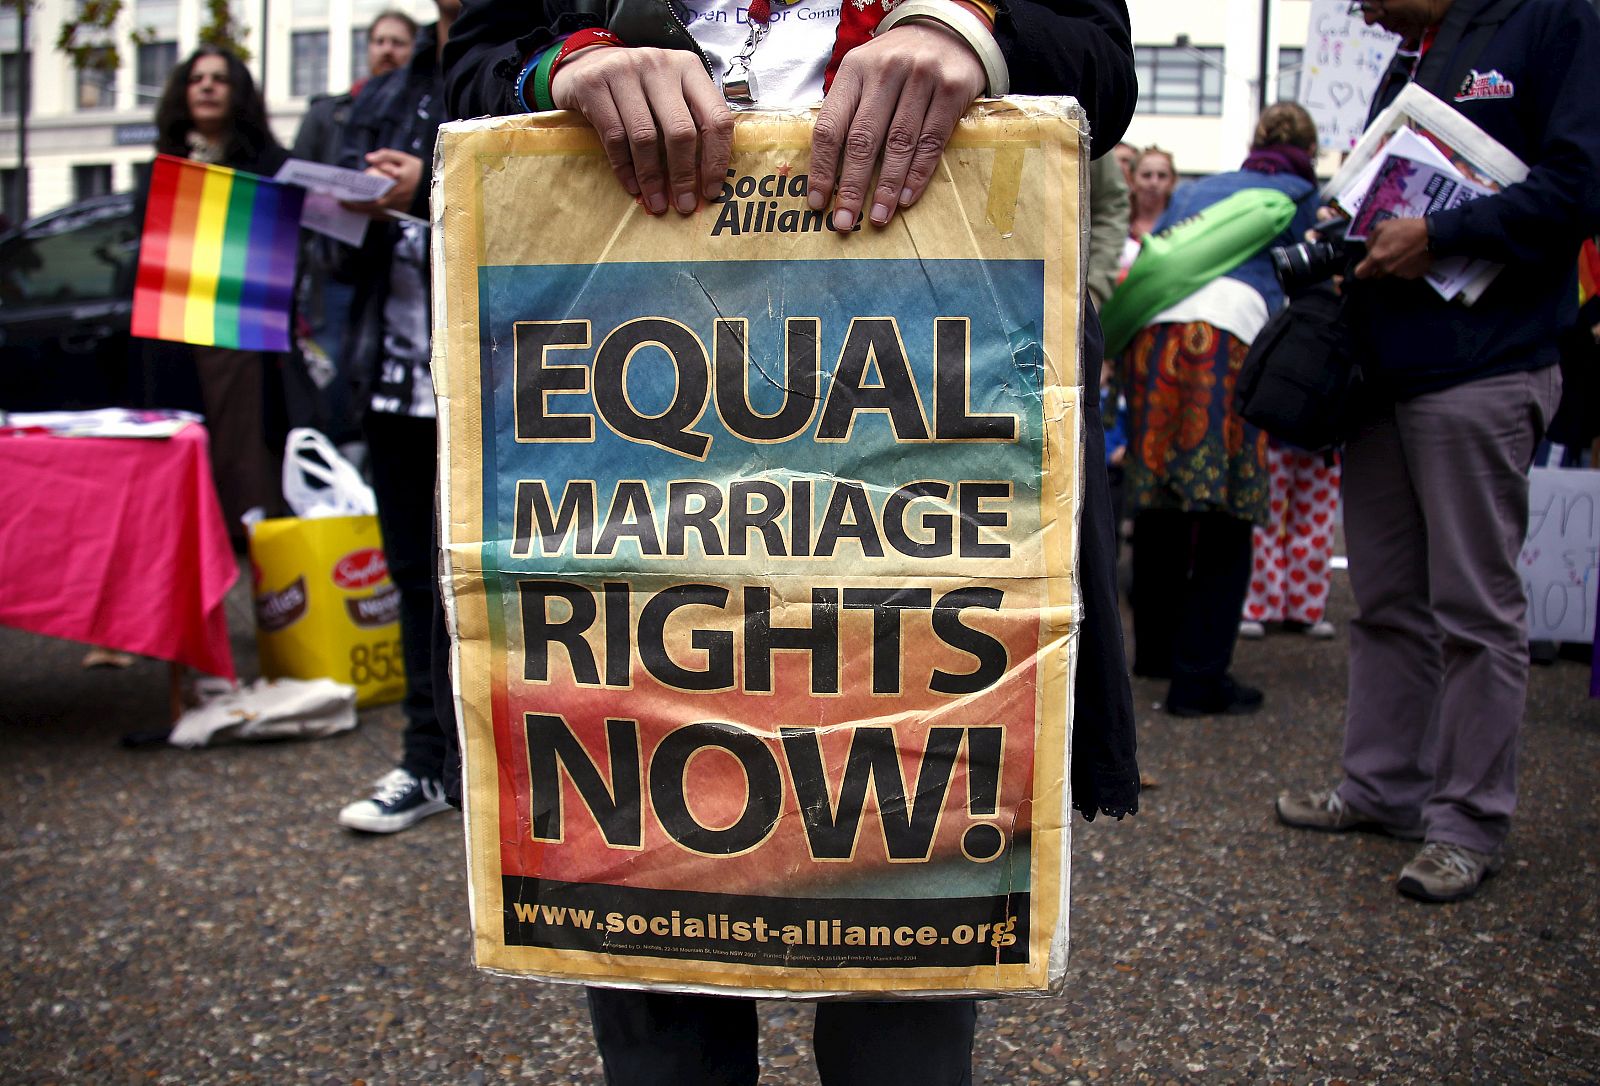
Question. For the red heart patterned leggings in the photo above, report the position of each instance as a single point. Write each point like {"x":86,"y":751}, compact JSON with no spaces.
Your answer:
{"x":1289,"y":568}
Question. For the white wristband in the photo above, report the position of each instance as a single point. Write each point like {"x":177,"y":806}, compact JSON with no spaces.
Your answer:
{"x":965,"y":25}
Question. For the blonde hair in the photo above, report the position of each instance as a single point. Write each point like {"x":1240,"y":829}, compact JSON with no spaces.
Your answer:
{"x":1285,"y":122}
{"x":1153,"y":149}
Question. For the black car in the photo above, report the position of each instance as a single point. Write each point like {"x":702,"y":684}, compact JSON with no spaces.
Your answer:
{"x":66,"y":299}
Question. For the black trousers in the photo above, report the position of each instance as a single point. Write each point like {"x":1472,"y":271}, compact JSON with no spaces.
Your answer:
{"x":404,"y":466}
{"x":658,"y":1039}
{"x":1190,"y":575}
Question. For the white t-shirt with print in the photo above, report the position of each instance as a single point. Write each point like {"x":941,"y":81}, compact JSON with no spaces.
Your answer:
{"x":789,"y":63}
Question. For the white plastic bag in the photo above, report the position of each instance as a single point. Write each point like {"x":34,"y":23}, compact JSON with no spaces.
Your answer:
{"x":318,"y":482}
{"x":268,"y":709}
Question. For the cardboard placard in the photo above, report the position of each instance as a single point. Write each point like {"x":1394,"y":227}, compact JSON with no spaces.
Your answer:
{"x":1561,"y":554}
{"x":1344,"y":61}
{"x":762,"y":561}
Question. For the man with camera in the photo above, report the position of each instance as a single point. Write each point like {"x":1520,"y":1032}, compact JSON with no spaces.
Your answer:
{"x":1435,"y":469}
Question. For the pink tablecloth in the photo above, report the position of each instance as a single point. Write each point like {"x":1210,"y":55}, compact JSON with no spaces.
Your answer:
{"x":117,"y":542}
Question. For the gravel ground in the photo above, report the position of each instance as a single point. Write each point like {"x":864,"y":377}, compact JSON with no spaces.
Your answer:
{"x":198,"y":917}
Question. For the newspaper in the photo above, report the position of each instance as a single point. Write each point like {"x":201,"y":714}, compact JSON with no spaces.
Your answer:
{"x":1473,"y":154}
{"x":100,"y":422}
{"x":1413,"y":180}
{"x":761,"y":561}
{"x":328,"y":185}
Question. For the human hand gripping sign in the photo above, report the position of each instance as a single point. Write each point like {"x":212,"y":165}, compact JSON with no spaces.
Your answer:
{"x":668,"y":134}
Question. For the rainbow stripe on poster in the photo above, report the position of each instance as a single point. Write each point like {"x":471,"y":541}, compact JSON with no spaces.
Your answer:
{"x":217,"y":257}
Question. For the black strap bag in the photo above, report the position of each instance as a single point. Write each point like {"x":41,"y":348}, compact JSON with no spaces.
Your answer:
{"x":1299,"y":380}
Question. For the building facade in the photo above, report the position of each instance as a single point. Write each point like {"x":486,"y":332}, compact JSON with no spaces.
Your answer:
{"x":88,"y":133}
{"x":1199,"y":72}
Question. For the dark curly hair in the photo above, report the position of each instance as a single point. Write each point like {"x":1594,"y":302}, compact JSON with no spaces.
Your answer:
{"x":248,"y":131}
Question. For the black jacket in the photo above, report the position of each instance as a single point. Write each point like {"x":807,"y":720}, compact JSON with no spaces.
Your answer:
{"x":1546,"y":53}
{"x":401,"y":110}
{"x":1076,"y":47}
{"x":320,"y":137}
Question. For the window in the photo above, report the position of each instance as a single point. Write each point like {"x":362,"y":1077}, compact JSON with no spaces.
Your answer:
{"x":1291,"y":62}
{"x":358,"y":55}
{"x":97,"y":83}
{"x":11,"y":194}
{"x":160,"y":16}
{"x":1184,"y":80}
{"x":12,"y":66}
{"x":154,"y":64}
{"x":308,"y":62}
{"x":90,"y":181}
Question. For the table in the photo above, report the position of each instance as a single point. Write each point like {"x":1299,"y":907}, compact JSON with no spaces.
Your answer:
{"x":117,"y":542}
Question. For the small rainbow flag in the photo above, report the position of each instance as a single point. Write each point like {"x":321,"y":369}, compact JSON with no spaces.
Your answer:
{"x":217,"y":257}
{"x":1588,"y":271}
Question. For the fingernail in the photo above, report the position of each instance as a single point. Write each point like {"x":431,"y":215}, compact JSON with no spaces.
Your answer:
{"x":905,"y":197}
{"x":843,"y":219}
{"x":816,"y":199}
{"x":657,"y":203}
{"x":687,"y":203}
{"x":880,"y":213}
{"x":632,"y":186}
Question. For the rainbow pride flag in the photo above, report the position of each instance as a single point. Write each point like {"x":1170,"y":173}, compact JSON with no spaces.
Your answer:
{"x":217,"y":257}
{"x":1588,"y":274}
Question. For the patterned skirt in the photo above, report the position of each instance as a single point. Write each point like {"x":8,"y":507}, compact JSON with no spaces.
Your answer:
{"x":1188,"y":449}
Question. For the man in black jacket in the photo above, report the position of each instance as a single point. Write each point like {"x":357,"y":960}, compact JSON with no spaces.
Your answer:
{"x":322,"y":303}
{"x":391,"y":131}
{"x":1435,"y":478}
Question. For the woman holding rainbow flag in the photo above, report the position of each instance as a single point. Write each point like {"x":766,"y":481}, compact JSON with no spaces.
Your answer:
{"x":211,"y":112}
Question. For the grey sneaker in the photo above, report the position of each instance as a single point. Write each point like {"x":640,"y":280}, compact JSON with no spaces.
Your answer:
{"x":1328,"y":812}
{"x":1443,"y":872}
{"x":1251,"y":630}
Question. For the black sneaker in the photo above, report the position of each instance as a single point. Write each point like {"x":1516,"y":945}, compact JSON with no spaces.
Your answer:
{"x":399,"y":801}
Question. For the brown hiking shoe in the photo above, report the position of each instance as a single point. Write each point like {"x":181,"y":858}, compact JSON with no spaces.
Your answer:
{"x":1328,"y":812}
{"x":1444,"y":872}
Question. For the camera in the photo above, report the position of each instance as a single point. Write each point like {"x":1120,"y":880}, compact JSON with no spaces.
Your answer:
{"x":1311,"y":262}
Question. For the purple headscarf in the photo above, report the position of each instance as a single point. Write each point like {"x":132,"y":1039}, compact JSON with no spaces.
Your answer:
{"x":1281,"y":158}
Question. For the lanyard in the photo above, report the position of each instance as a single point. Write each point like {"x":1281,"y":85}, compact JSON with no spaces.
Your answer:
{"x":739,"y":81}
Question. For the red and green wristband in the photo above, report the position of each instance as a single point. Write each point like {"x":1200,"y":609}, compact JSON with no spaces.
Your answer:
{"x":541,"y":68}
{"x":541,"y":78}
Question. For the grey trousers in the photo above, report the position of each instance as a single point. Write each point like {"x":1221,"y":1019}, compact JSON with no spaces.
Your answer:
{"x":1435,"y":510}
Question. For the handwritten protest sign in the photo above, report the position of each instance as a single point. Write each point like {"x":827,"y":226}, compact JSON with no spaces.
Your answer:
{"x":1344,"y":61}
{"x":762,"y":548}
{"x":1561,"y":553}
